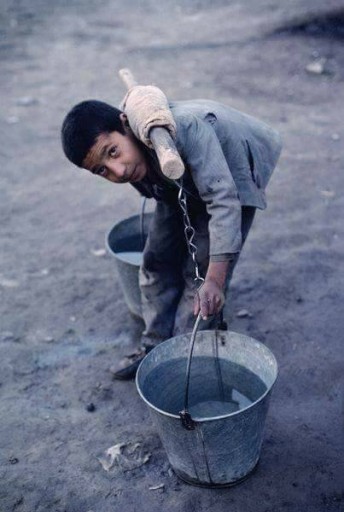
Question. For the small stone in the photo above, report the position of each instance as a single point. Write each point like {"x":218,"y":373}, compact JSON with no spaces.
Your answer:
{"x":49,"y":339}
{"x":12,"y":119}
{"x":98,"y":252}
{"x":156,"y":487}
{"x":327,"y":193}
{"x":317,"y":67}
{"x":44,"y":272}
{"x":8,"y":283}
{"x":72,"y":318}
{"x":243,"y":313}
{"x":13,"y":460}
{"x":90,"y":407}
{"x":7,"y":336}
{"x":299,"y":299}
{"x":27,"y":101}
{"x":335,"y":136}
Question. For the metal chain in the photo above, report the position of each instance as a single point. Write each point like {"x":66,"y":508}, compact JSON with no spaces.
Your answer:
{"x":187,"y":421}
{"x":188,"y":230}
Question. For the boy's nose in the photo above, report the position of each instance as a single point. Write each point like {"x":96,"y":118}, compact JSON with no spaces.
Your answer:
{"x":118,"y":170}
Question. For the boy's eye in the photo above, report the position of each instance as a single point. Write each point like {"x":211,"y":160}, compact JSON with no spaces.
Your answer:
{"x":102,"y":171}
{"x":113,"y":151}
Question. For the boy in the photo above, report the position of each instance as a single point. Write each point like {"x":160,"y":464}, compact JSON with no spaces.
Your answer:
{"x":229,"y":158}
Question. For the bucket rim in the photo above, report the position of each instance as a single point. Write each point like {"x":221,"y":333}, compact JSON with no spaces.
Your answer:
{"x":212,"y":418}
{"x":107,"y":244}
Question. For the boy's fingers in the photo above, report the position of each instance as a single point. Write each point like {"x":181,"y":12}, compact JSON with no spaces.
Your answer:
{"x":205,"y":308}
{"x":213,"y":305}
{"x":207,"y":303}
{"x":219,"y":301}
{"x":196,"y":304}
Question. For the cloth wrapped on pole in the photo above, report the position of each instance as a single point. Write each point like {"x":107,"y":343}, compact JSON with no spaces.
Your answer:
{"x":147,"y":107}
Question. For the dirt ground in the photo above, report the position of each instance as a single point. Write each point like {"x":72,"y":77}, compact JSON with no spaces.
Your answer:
{"x":63,"y":320}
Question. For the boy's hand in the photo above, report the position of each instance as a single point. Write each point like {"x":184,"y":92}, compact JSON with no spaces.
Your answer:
{"x":209,"y":299}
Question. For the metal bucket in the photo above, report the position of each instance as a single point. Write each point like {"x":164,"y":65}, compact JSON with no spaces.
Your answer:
{"x":129,"y":235}
{"x":222,"y":446}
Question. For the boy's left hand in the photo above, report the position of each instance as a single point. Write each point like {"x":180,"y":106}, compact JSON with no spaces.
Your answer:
{"x":209,"y":299}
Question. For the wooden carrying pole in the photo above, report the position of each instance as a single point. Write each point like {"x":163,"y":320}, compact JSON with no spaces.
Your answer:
{"x":171,"y":164}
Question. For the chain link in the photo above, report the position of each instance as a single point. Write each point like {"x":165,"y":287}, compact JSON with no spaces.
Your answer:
{"x":188,"y":230}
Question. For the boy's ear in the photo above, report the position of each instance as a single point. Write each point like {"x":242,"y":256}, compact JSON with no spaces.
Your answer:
{"x":124,"y":118}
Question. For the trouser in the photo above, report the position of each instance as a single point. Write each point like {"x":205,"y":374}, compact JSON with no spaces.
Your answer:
{"x":167,"y":275}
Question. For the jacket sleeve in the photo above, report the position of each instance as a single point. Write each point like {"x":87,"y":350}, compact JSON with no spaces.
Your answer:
{"x":202,"y":153}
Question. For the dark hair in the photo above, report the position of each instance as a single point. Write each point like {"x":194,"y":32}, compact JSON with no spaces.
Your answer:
{"x":84,"y":123}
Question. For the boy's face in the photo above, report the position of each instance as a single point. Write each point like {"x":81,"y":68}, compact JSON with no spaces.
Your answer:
{"x":117,"y":157}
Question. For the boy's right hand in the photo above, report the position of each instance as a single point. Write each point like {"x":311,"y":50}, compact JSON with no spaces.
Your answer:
{"x":209,"y":299}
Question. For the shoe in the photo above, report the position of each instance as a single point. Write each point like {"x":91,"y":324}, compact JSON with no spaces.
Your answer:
{"x":129,"y":365}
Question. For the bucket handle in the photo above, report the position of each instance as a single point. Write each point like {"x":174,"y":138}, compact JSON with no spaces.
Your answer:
{"x":142,"y":220}
{"x":185,"y":416}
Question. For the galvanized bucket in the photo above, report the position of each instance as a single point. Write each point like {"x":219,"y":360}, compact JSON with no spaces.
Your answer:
{"x":127,"y":236}
{"x":220,"y":447}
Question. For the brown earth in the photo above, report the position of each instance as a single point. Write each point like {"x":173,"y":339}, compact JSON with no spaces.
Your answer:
{"x":63,"y":318}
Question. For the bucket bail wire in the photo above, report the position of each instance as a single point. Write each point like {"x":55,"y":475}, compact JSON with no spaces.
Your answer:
{"x":187,"y":421}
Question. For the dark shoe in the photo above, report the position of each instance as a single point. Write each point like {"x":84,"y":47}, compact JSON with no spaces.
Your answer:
{"x":129,"y":365}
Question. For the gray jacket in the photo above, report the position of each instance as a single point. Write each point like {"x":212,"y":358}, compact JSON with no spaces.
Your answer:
{"x":229,"y":158}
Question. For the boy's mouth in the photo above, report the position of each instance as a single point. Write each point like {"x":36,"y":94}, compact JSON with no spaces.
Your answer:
{"x":134,"y":174}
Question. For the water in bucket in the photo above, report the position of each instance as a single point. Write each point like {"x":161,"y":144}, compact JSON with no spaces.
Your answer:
{"x":134,"y":257}
{"x":217,"y":387}
{"x":125,"y":242}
